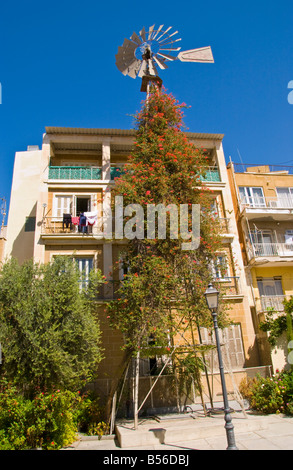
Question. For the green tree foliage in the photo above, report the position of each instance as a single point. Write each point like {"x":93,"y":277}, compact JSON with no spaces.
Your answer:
{"x":49,"y":332}
{"x":276,"y":324}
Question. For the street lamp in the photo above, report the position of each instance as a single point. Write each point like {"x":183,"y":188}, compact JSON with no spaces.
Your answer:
{"x":212,"y":299}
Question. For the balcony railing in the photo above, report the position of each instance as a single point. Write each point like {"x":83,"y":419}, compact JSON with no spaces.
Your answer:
{"x":74,"y":173}
{"x":272,"y":249}
{"x":266,"y":203}
{"x":109,"y":290}
{"x":115,"y":172}
{"x":274,"y":302}
{"x":80,"y":173}
{"x":211,"y":174}
{"x":231,"y":285}
{"x":225,"y":225}
{"x":56,"y":226}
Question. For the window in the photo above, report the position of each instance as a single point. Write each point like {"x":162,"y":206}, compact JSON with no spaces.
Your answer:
{"x":220,"y":267}
{"x":252,"y":196}
{"x":62,"y":205}
{"x":85,"y":265}
{"x":232,"y":347}
{"x":30,"y":224}
{"x":285,"y":197}
{"x":72,"y":204}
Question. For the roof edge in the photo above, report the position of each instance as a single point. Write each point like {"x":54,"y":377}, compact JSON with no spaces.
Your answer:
{"x":125,"y":132}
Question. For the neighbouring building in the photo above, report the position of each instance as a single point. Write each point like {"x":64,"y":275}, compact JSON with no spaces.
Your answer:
{"x":263,"y":203}
{"x":72,"y":175}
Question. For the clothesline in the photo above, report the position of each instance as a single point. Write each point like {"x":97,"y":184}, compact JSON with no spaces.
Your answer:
{"x":83,"y":220}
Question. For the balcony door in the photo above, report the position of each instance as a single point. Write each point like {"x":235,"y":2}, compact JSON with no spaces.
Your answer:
{"x":271,"y":293}
{"x":83,"y":204}
{"x":285,"y":197}
{"x":263,"y":243}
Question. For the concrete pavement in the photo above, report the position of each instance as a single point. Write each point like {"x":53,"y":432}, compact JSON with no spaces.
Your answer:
{"x":195,"y":432}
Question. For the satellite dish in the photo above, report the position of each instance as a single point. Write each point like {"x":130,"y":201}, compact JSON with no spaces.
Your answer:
{"x":140,"y":55}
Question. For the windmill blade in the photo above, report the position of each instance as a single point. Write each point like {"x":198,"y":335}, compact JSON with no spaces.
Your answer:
{"x":135,"y":38}
{"x":142,"y":69}
{"x":169,"y":36}
{"x":160,"y":62}
{"x":170,"y":49}
{"x":142,"y":33}
{"x":133,"y":69}
{"x":158,"y":31}
{"x":203,"y":54}
{"x":151,"y":28}
{"x":166,"y":56}
{"x":171,"y":42}
{"x":165,"y":32}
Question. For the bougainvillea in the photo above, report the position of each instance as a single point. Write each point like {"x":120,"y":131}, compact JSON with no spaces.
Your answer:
{"x":164,"y":286}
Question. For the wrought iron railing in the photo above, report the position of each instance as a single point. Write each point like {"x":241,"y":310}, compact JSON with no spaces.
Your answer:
{"x":109,"y":290}
{"x":231,"y":284}
{"x":56,"y":226}
{"x":272,"y":302}
{"x":272,"y":249}
{"x":266,"y":203}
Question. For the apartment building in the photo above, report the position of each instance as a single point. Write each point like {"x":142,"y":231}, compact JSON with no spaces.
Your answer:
{"x":71,"y":176}
{"x":263,"y":202}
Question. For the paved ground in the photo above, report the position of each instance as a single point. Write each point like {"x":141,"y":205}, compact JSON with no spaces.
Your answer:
{"x":252,"y":432}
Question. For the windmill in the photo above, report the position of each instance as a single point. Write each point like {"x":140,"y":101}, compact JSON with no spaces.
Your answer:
{"x":140,"y":55}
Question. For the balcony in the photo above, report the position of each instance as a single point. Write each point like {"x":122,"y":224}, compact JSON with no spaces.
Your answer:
{"x":231,"y":286}
{"x":275,"y":207}
{"x":109,"y":290}
{"x":74,"y":173}
{"x":53,"y":228}
{"x":272,"y":252}
{"x":273,"y":302}
{"x":211,"y":174}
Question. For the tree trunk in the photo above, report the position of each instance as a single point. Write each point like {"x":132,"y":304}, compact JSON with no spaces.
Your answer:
{"x":118,"y":376}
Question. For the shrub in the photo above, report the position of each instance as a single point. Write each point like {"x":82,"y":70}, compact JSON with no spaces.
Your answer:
{"x":14,"y":410}
{"x":270,"y":395}
{"x":52,"y":420}
{"x":49,"y":420}
{"x":46,"y":421}
{"x":89,"y":415}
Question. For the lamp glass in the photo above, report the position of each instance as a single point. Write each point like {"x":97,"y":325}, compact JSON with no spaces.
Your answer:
{"x":212,"y":295}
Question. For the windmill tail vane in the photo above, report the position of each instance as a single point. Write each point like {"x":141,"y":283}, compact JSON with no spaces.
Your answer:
{"x":140,"y":55}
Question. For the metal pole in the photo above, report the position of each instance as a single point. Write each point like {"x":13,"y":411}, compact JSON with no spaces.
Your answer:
{"x":228,"y":418}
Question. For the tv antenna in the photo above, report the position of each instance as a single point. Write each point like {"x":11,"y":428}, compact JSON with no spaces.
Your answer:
{"x":140,"y":55}
{"x":3,"y":212}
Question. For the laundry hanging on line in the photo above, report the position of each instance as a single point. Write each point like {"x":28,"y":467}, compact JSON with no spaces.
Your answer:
{"x":83,"y":220}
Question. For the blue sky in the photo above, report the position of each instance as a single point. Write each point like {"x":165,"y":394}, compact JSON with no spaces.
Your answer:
{"x":57,"y":68}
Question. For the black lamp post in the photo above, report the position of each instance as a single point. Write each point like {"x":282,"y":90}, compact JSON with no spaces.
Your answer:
{"x":212,"y":299}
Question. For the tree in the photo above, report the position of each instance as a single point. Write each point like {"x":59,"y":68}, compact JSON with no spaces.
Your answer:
{"x":49,"y":332}
{"x":164,"y":286}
